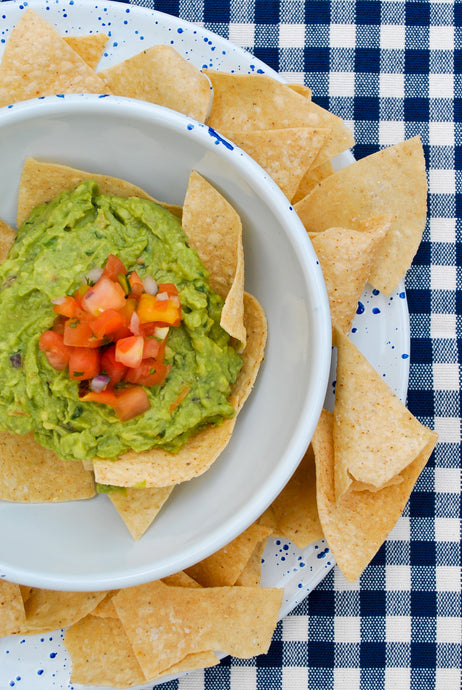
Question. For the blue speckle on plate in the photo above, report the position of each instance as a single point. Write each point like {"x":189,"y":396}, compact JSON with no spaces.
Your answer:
{"x":219,"y":139}
{"x":376,"y":310}
{"x":360,"y":309}
{"x":404,"y":356}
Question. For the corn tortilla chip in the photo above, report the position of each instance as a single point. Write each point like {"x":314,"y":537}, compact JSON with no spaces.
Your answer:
{"x":224,"y":567}
{"x":180,"y":579}
{"x":346,"y":258}
{"x":139,"y":507}
{"x":12,"y":614}
{"x":375,"y":436}
{"x":214,"y":229}
{"x":251,"y":575}
{"x":285,"y":154}
{"x":90,"y":48}
{"x":159,"y":468}
{"x":164,"y":624}
{"x":339,"y":139}
{"x":38,"y":62}
{"x":101,"y":654}
{"x":356,"y":526}
{"x":42,"y":181}
{"x":160,"y":75}
{"x":248,"y":102}
{"x":32,"y":474}
{"x":391,"y":182}
{"x":106,"y":608}
{"x":7,"y":235}
{"x":311,"y":178}
{"x":301,"y":89}
{"x":48,"y":609}
{"x":295,"y":510}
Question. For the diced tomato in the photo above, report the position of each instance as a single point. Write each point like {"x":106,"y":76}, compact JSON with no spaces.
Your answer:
{"x":169,"y":288}
{"x":84,"y":363}
{"x":136,"y":284}
{"x":80,"y":292}
{"x":129,"y":351}
{"x":152,"y":308}
{"x":67,"y":306}
{"x":154,"y":348}
{"x":148,"y":373}
{"x":115,"y":370}
{"x":78,"y":333}
{"x":105,"y":294}
{"x":107,"y":397}
{"x":131,"y":402}
{"x":56,"y":352}
{"x":107,"y":323}
{"x":113,"y":267}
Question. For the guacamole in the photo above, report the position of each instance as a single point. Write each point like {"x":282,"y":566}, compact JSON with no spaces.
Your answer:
{"x":55,"y":248}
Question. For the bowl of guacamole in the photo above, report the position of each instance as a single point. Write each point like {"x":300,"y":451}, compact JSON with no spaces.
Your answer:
{"x":231,"y":387}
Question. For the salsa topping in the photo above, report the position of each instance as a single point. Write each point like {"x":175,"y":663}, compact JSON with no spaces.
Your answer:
{"x":111,"y":335}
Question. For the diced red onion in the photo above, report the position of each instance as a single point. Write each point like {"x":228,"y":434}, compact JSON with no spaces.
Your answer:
{"x":58,"y":300}
{"x":135,"y":324}
{"x":162,"y":296}
{"x":94,"y":274}
{"x":150,"y":285}
{"x":99,"y":383}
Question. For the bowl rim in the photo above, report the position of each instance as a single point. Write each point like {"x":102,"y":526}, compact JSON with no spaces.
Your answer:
{"x":280,"y":206}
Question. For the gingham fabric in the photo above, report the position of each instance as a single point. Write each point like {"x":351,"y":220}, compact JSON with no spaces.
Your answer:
{"x":391,"y":69}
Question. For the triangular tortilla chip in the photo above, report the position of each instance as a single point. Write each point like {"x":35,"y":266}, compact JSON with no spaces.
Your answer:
{"x":90,"y":48}
{"x":285,"y":154}
{"x":294,"y":510}
{"x":41,"y":181}
{"x":346,"y":258}
{"x":48,"y":610}
{"x":38,"y":62}
{"x":7,"y":235}
{"x":339,"y":138}
{"x":160,"y":75}
{"x":165,"y":623}
{"x":224,"y":567}
{"x":31,"y":473}
{"x":311,"y":178}
{"x":214,"y":229}
{"x":391,"y":182}
{"x":12,"y":614}
{"x":157,"y":467}
{"x":359,"y":523}
{"x":139,"y":507}
{"x":247,"y":102}
{"x":251,"y":575}
{"x":375,"y":436}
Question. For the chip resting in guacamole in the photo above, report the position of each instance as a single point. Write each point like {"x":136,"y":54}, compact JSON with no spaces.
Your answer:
{"x":59,"y":245}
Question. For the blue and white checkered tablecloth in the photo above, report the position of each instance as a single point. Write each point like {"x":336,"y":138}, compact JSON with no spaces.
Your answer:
{"x":391,"y":69}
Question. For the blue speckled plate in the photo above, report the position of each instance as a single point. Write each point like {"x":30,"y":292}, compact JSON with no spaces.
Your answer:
{"x":381,"y":327}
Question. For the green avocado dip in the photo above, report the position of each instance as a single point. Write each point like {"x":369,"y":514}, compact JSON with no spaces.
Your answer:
{"x":54,"y":249}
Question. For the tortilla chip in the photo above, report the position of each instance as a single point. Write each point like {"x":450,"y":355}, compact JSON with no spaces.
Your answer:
{"x":214,"y":229}
{"x":339,"y":139}
{"x":32,"y":474}
{"x":249,"y":102}
{"x":101,"y":654}
{"x":164,"y":624}
{"x":311,"y":178}
{"x":301,"y":89}
{"x":285,"y":154}
{"x":375,"y":436}
{"x":295,"y":510}
{"x":346,"y":258}
{"x":391,"y":182}
{"x":357,"y":525}
{"x":38,"y":62}
{"x":48,"y":610}
{"x":224,"y":567}
{"x":41,"y":182}
{"x":139,"y":507}
{"x":7,"y":235}
{"x":157,"y":467}
{"x":160,"y":75}
{"x":180,"y":579}
{"x":90,"y":48}
{"x":106,"y":608}
{"x":251,"y":575}
{"x":12,"y":614}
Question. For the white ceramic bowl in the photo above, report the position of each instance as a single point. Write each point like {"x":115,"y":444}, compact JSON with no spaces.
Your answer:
{"x":85,"y":545}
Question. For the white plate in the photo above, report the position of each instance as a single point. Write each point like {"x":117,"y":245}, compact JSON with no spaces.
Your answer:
{"x":381,"y":330}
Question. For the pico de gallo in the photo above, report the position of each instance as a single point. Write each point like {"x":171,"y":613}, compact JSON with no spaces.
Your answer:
{"x":111,"y":334}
